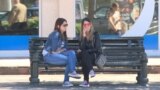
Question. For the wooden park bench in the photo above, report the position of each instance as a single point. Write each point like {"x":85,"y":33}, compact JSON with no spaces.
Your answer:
{"x":123,"y":55}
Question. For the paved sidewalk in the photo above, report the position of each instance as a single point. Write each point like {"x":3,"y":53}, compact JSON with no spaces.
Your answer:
{"x":100,"y":82}
{"x":26,"y":62}
{"x":22,"y":66}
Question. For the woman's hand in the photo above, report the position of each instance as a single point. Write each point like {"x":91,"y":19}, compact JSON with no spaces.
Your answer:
{"x":79,"y":51}
{"x":84,"y":33}
{"x":59,"y":50}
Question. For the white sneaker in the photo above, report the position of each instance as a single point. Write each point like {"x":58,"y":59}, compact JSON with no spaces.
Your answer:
{"x":67,"y":84}
{"x":74,"y":75}
{"x":84,"y":84}
{"x":92,"y":73}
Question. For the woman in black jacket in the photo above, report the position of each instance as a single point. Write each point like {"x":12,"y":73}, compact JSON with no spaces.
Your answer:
{"x":90,"y":48}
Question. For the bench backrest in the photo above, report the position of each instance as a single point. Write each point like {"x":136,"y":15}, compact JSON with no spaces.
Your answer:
{"x":119,"y":51}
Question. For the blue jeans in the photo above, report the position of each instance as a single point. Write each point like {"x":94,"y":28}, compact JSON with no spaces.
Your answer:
{"x":67,"y":58}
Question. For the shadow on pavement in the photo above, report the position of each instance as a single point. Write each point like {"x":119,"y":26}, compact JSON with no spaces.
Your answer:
{"x":94,"y":86}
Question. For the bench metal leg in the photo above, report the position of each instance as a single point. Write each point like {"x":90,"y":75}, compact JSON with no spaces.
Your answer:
{"x":34,"y":73}
{"x":142,"y":75}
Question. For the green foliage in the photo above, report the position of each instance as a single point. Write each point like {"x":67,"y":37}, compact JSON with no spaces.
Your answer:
{"x":5,"y":24}
{"x":78,"y":27}
{"x":33,"y":22}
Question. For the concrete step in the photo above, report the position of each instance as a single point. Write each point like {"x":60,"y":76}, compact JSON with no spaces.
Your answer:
{"x":59,"y":70}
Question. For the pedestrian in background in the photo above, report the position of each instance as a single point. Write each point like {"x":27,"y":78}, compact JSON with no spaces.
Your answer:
{"x":18,"y":16}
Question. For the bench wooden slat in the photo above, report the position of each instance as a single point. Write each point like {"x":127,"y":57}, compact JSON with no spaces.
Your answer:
{"x":123,"y":58}
{"x":122,"y":64}
{"x":121,"y":54}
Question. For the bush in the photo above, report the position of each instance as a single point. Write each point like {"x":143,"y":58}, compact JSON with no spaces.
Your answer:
{"x":78,"y":27}
{"x":33,"y":23}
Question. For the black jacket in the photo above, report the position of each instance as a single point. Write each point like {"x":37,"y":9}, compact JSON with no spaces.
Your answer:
{"x":93,"y":46}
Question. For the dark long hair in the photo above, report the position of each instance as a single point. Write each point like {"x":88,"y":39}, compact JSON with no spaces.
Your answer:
{"x":115,"y":5}
{"x":59,"y":22}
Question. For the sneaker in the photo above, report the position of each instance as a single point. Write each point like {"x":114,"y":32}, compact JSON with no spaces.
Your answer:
{"x":67,"y":84}
{"x":92,"y":73}
{"x":74,"y":75}
{"x":84,"y":84}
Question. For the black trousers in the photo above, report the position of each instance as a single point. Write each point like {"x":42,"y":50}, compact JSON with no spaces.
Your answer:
{"x":87,"y":61}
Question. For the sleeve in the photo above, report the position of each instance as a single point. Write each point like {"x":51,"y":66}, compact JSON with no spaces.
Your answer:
{"x":97,"y":44}
{"x":82,"y":44}
{"x":66,"y":45}
{"x":47,"y":46}
{"x":12,"y":15}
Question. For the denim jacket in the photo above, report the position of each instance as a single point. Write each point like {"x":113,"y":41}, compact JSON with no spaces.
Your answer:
{"x":54,"y":42}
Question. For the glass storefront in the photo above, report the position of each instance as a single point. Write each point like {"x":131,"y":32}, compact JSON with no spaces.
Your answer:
{"x":127,"y":14}
{"x":100,"y":10}
{"x":18,"y":23}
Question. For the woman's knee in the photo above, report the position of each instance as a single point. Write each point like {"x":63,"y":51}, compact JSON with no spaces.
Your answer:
{"x":55,"y":57}
{"x":72,"y":52}
{"x":85,"y":54}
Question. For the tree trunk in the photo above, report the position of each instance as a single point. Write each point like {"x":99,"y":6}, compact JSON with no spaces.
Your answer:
{"x":91,"y":9}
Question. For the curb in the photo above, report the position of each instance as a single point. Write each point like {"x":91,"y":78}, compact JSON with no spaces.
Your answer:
{"x":26,"y":70}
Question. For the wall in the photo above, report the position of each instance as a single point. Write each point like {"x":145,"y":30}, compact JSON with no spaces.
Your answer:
{"x":5,"y":5}
{"x":50,"y":10}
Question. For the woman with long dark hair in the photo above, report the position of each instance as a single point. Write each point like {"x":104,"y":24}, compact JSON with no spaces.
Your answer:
{"x":90,"y":48}
{"x":55,"y":51}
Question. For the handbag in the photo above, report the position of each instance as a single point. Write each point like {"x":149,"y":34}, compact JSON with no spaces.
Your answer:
{"x":100,"y":61}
